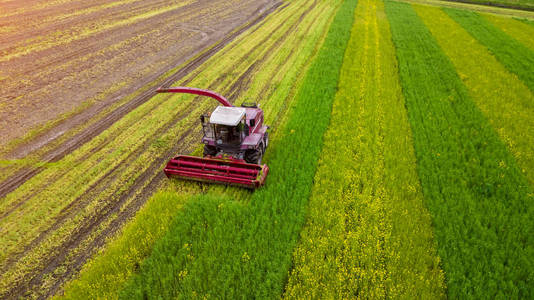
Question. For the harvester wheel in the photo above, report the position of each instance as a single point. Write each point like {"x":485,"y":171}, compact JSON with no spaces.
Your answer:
{"x":253,"y":156}
{"x":210,"y":150}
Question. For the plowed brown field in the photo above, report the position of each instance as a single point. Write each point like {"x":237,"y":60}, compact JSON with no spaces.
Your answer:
{"x":59,"y":58}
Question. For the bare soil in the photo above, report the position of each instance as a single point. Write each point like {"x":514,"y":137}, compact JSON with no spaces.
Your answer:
{"x":69,"y":65}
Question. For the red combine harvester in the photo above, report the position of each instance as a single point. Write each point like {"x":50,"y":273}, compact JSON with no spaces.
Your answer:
{"x":235,"y":140}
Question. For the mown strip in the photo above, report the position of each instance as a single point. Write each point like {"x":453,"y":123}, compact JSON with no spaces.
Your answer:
{"x":502,"y":97}
{"x":518,"y":30}
{"x":478,"y":198}
{"x":285,"y":68}
{"x":368,"y":233}
{"x":226,"y":249}
{"x":515,"y":56}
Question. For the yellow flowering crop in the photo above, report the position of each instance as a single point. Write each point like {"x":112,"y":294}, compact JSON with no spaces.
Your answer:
{"x":368,"y":234}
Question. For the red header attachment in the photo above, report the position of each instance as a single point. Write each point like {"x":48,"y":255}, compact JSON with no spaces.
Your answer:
{"x":217,"y":170}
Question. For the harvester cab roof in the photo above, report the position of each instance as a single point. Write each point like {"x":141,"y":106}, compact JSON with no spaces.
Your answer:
{"x":229,"y":116}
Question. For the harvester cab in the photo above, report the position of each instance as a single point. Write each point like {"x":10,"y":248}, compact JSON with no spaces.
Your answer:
{"x":234,"y":139}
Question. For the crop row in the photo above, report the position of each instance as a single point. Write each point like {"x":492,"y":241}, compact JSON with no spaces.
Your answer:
{"x":515,"y":56}
{"x":272,"y":84}
{"x":225,"y":248}
{"x":368,"y":233}
{"x":478,"y":198}
{"x":516,"y":29}
{"x":517,"y":4}
{"x":503,"y":98}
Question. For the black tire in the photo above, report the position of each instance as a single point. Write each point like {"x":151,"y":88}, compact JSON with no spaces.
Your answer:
{"x":210,"y":150}
{"x":253,"y":156}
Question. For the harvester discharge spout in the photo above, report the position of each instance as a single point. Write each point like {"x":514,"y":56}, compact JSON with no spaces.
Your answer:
{"x":235,"y":140}
{"x":195,"y":91}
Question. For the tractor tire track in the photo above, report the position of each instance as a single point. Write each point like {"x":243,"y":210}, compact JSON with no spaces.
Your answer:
{"x":89,"y":47}
{"x":21,"y":111}
{"x":133,"y":154}
{"x":54,"y":156}
{"x":87,"y":134}
{"x":57,"y":256}
{"x":99,"y":186}
{"x":82,"y":201}
{"x":18,"y":39}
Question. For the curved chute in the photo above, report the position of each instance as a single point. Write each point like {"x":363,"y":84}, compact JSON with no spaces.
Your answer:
{"x":195,"y":91}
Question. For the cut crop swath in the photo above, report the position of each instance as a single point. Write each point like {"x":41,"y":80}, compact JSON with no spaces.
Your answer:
{"x":222,"y":248}
{"x":479,"y":200}
{"x":515,"y":56}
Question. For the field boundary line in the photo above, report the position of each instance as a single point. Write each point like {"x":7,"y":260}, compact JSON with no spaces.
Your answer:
{"x":512,"y":13}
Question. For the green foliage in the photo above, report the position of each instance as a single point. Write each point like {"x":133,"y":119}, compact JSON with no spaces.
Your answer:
{"x":503,"y":98}
{"x":514,"y":28}
{"x":515,"y":56}
{"x":103,"y":276}
{"x":480,"y":202}
{"x":367,"y":233}
{"x":526,"y":21}
{"x":221,"y":248}
{"x":517,"y":4}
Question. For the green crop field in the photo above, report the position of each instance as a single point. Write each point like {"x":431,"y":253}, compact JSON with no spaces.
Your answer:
{"x":401,"y":162}
{"x":516,"y":4}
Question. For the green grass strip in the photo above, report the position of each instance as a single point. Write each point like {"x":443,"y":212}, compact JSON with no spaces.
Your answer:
{"x":502,"y":97}
{"x":368,"y":233}
{"x":528,"y":22}
{"x":106,"y":274}
{"x":515,"y":56}
{"x":222,"y":248}
{"x":480,"y":202}
{"x":512,"y":4}
{"x":516,"y":29}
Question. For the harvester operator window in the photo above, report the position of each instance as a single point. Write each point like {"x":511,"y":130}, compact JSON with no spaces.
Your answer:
{"x":207,"y":128}
{"x":222,"y":132}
